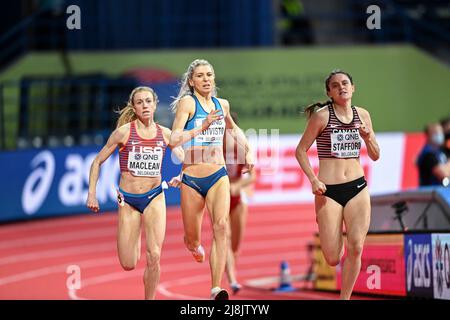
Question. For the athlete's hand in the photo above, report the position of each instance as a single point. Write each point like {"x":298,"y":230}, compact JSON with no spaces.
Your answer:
{"x":92,"y":203}
{"x":175,"y":181}
{"x":318,"y":187}
{"x":248,"y":167}
{"x":212,"y":116}
{"x":364,"y":130}
{"x":249,"y":163}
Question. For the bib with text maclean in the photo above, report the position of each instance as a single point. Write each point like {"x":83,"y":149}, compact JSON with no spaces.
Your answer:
{"x":145,"y":161}
{"x":142,"y":157}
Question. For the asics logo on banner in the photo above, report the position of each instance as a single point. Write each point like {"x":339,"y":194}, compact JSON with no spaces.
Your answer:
{"x":38,"y":183}
{"x":69,"y":181}
{"x":418,"y":268}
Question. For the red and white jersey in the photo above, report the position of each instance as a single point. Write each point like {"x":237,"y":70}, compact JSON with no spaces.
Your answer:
{"x":338,"y":139}
{"x":142,"y":157}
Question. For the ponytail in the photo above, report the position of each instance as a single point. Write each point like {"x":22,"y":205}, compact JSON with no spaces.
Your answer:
{"x":309,"y":110}
{"x":126,"y":115}
{"x":185,"y":89}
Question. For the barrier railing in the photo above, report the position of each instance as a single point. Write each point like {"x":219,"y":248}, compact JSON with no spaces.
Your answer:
{"x":412,"y":210}
{"x":67,"y":111}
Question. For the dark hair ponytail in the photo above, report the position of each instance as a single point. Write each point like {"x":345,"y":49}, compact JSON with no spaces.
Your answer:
{"x":309,"y":110}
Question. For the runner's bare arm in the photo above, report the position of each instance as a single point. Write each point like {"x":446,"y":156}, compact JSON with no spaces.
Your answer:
{"x":117,"y":137}
{"x":314,"y":126}
{"x":178,"y":151}
{"x":368,"y":135}
{"x":239,"y":136}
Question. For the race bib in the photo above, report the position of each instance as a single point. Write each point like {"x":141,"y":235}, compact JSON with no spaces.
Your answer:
{"x":345,"y":143}
{"x":213,"y":134}
{"x":146,"y":163}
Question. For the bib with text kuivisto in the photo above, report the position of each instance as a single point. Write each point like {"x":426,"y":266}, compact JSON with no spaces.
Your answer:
{"x":213,"y":134}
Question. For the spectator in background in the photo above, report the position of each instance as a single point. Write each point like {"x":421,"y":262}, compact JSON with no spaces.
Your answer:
{"x":445,"y":123}
{"x":433,"y":165}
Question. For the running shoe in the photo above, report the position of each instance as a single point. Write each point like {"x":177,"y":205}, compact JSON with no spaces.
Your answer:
{"x":235,"y":287}
{"x":221,"y":294}
{"x":199,"y":254}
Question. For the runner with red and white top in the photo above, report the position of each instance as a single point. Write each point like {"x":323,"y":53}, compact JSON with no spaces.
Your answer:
{"x":142,"y":157}
{"x":340,"y":186}
{"x":142,"y":144}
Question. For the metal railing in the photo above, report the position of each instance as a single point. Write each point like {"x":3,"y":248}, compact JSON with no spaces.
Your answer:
{"x":54,"y":111}
{"x":427,"y":208}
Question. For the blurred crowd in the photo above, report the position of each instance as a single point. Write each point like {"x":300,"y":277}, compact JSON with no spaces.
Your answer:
{"x":433,"y":161}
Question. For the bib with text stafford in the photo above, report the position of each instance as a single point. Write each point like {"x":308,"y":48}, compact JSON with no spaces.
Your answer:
{"x":345,"y":143}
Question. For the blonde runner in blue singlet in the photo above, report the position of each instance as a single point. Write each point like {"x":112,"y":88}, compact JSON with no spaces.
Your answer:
{"x":212,"y":136}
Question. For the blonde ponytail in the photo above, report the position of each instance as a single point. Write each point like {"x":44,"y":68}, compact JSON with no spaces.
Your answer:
{"x":126,"y":115}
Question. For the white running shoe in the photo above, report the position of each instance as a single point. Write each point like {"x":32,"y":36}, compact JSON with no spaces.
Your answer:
{"x":220,"y":294}
{"x":198,"y":254}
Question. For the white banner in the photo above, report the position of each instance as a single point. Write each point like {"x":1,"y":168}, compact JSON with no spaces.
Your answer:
{"x":281,"y":180}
